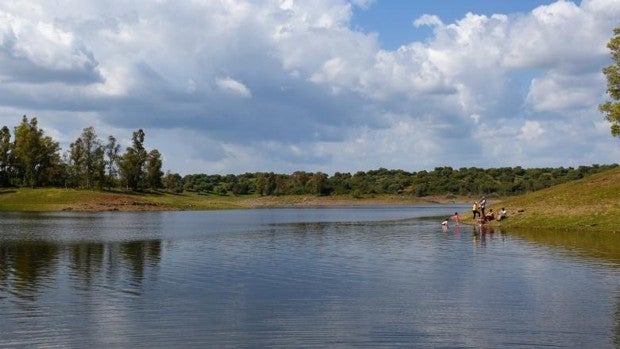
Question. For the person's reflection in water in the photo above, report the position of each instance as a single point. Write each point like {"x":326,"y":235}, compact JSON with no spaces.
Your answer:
{"x":479,"y":236}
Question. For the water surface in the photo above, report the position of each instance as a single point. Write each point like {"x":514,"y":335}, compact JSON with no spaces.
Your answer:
{"x":320,"y":277}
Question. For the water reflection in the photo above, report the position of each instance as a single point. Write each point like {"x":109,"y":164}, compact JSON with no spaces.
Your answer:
{"x":27,"y":267}
{"x":603,"y":246}
{"x":482,"y":233}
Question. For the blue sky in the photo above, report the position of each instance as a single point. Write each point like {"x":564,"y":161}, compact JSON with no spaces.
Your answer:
{"x":327,"y":85}
{"x":393,"y":20}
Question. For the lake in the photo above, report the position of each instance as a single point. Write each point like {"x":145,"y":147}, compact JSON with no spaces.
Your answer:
{"x":384,"y":276}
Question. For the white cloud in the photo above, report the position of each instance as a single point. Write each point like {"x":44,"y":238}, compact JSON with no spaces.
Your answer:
{"x":233,"y":86}
{"x":556,"y":92}
{"x":286,"y":84}
{"x":428,"y":20}
{"x":531,"y":131}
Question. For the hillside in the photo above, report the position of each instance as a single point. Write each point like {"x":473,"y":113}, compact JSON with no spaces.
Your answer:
{"x":591,"y":203}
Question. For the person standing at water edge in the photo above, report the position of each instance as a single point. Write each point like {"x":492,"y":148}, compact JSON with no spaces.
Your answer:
{"x":483,"y":204}
{"x":474,"y":209}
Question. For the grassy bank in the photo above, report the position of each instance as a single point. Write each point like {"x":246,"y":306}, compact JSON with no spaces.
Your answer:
{"x":58,"y":199}
{"x":588,"y":204}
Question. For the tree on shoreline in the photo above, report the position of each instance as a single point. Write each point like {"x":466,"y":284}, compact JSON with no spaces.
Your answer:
{"x":612,"y":72}
{"x":5,"y":156}
{"x":34,"y":154}
{"x":154,"y":173}
{"x":111,"y":151}
{"x":87,"y":165}
{"x":131,"y":164}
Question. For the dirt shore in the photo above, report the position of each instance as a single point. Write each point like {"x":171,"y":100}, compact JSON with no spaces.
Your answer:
{"x":310,"y":201}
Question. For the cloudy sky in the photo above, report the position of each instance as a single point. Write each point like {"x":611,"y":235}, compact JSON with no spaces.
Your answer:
{"x":233,"y":86}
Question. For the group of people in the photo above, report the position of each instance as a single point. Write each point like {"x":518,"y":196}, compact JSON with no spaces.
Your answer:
{"x":478,"y":210}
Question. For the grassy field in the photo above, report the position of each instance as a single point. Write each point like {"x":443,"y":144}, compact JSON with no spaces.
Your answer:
{"x":57,"y":199}
{"x":589,"y":204}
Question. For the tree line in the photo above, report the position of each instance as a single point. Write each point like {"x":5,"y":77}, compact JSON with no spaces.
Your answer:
{"x":440,"y":181}
{"x":31,"y":158}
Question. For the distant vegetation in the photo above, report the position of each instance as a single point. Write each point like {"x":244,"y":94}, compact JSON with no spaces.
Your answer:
{"x":32,"y":159}
{"x":440,"y":181}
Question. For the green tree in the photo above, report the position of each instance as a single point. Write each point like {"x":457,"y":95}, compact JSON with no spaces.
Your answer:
{"x":612,"y":72}
{"x":153,"y":170}
{"x":35,"y":155}
{"x":319,"y":184}
{"x":5,"y":155}
{"x":112,"y":148}
{"x":173,"y":182}
{"x":132,"y":163}
{"x":87,"y":159}
{"x":76,"y":162}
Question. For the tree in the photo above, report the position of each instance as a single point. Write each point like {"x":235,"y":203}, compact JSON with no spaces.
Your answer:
{"x":5,"y":155}
{"x":75,"y":165}
{"x":319,"y":184}
{"x":35,"y":155}
{"x":612,"y":72}
{"x":93,"y":156}
{"x":132,"y":163}
{"x":174,"y":182}
{"x":87,"y":161}
{"x":153,"y":170}
{"x":111,"y":151}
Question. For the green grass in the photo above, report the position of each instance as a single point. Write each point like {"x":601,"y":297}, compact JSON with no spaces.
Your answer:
{"x":52,"y":199}
{"x":57,"y":199}
{"x":588,"y":204}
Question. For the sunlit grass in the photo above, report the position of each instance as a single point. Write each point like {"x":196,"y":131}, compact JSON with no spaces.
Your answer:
{"x":591,"y":203}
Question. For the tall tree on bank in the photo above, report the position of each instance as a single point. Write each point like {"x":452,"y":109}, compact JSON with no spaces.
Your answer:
{"x":75,"y":163}
{"x":111,"y":151}
{"x":35,"y":155}
{"x":87,"y":159}
{"x":612,"y":72}
{"x":93,"y":160}
{"x":132,"y":162}
{"x":154,"y":173}
{"x":5,"y":155}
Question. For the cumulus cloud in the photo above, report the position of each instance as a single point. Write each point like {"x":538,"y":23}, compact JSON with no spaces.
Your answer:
{"x":38,"y":51}
{"x":429,"y":20}
{"x":556,"y":92}
{"x":232,"y":86}
{"x":286,"y":85}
